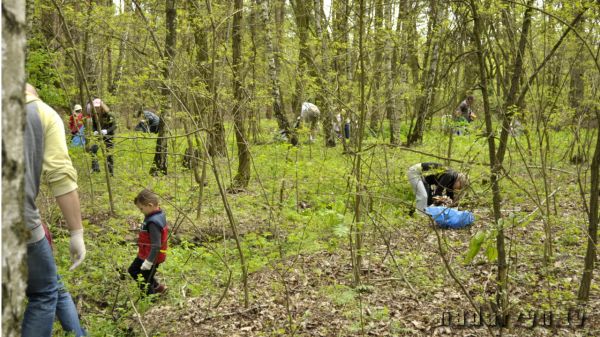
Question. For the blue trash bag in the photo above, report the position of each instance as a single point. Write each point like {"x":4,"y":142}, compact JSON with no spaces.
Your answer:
{"x":447,"y":217}
{"x":78,"y":139}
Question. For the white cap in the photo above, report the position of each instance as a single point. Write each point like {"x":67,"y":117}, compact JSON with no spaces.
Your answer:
{"x":77,"y":107}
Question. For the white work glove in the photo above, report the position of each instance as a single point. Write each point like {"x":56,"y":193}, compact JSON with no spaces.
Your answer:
{"x":95,"y":133}
{"x":77,"y":248}
{"x":104,"y":131}
{"x":147,"y":265}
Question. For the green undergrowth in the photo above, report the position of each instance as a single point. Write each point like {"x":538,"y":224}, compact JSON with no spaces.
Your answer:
{"x":300,"y":203}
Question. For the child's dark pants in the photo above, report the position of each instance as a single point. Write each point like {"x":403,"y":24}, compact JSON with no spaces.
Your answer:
{"x":149,"y":282}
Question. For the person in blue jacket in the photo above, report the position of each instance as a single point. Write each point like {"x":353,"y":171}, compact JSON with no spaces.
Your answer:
{"x":149,"y":123}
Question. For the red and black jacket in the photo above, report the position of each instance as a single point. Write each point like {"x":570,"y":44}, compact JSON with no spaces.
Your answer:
{"x":147,"y":249}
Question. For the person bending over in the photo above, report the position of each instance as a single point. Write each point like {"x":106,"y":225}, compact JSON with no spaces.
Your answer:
{"x":447,"y":182}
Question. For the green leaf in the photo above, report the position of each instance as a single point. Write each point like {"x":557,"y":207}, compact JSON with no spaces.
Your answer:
{"x":492,"y":253}
{"x":474,"y":246}
{"x":341,"y":230}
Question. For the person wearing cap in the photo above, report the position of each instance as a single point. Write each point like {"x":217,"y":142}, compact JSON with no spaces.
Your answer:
{"x":76,"y":126}
{"x":104,"y":124}
{"x":46,"y":157}
{"x":149,"y":123}
{"x":423,"y":176}
{"x":76,"y":120}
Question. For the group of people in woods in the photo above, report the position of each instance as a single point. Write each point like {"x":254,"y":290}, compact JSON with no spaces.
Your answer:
{"x":104,"y":125}
{"x":47,"y":158}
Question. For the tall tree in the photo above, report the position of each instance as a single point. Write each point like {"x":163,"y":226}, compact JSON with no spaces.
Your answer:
{"x":341,"y":60}
{"x":13,"y":229}
{"x":325,"y":79}
{"x":243,"y":173}
{"x":282,"y":120}
{"x":426,"y":98}
{"x":496,"y":157}
{"x":302,"y":15}
{"x":592,"y":234}
{"x":378,"y":67}
{"x":391,"y":71}
{"x":161,"y":151}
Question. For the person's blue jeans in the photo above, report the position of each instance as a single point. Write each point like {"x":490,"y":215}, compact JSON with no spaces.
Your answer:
{"x":66,"y":312}
{"x":45,"y":295}
{"x":42,"y":290}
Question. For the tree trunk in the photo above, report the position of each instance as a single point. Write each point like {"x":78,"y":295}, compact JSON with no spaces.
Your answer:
{"x":14,"y":234}
{"x":325,"y":79}
{"x":427,"y":97}
{"x":378,"y":68}
{"x":216,"y":136}
{"x":356,"y":238}
{"x":302,"y":15}
{"x":114,"y":85}
{"x":590,"y":254}
{"x":391,"y":71}
{"x":161,"y":152}
{"x":496,"y":158}
{"x":243,"y":173}
{"x":282,"y":120}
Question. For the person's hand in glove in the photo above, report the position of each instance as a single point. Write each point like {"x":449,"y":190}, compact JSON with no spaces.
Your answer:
{"x":147,"y":265}
{"x":77,"y":248}
{"x":104,"y":132}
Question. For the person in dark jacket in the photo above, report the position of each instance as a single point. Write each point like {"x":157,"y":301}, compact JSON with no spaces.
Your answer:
{"x":152,"y":243}
{"x":149,"y":123}
{"x":104,"y":125}
{"x":424,"y":176}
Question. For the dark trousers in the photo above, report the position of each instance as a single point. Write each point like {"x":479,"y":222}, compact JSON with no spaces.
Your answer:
{"x":149,"y":282}
{"x":109,"y":158}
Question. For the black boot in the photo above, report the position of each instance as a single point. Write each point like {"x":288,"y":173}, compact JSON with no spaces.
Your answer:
{"x":109,"y":161}
{"x":95,"y":166}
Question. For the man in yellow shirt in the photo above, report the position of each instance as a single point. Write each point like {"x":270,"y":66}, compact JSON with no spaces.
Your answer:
{"x":46,"y":157}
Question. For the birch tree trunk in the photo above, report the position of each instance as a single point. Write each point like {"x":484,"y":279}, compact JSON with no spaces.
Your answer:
{"x":14,"y":274}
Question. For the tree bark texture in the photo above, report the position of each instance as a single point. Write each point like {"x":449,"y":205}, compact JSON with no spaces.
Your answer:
{"x":242,"y":177}
{"x":14,"y":273}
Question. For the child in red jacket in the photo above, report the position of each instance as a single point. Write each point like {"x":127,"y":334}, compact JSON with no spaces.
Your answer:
{"x":152,"y":242}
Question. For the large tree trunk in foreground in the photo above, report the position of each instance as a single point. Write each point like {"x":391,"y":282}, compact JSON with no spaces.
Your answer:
{"x":13,"y":229}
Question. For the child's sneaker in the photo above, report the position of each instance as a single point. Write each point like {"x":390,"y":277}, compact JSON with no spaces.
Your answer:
{"x":160,"y":289}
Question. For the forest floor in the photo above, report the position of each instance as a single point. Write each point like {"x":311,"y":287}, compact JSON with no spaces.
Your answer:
{"x":295,"y":221}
